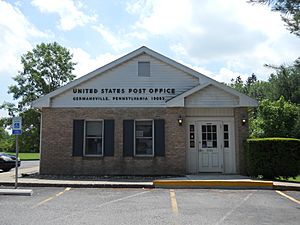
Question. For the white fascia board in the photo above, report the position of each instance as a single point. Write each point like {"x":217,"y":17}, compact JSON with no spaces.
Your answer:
{"x":40,"y":102}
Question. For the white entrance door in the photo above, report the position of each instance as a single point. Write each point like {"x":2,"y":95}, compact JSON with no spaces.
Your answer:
{"x":209,"y":146}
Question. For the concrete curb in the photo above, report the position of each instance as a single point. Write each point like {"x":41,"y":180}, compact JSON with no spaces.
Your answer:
{"x":81,"y":185}
{"x":285,"y":188}
{"x":223,"y":184}
{"x":200,"y":184}
{"x":21,"y":192}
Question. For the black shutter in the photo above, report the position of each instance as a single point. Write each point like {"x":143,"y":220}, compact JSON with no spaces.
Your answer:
{"x":159,"y":137}
{"x":109,"y":137}
{"x":128,"y":137}
{"x":78,"y":135}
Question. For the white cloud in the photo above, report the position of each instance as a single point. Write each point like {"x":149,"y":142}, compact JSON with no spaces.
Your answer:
{"x":231,"y":35}
{"x":117,"y":43}
{"x":86,"y":64}
{"x":162,"y":17}
{"x":223,"y":75}
{"x":70,"y":14}
{"x":226,"y":75}
{"x":15,"y":39}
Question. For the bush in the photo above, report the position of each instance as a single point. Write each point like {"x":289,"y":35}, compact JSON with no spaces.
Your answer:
{"x":273,"y":157}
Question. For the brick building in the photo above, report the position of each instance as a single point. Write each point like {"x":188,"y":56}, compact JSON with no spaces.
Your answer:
{"x":143,"y":114}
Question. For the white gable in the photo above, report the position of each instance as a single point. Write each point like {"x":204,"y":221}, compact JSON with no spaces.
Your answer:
{"x":211,"y":96}
{"x":170,"y":84}
{"x":121,"y":86}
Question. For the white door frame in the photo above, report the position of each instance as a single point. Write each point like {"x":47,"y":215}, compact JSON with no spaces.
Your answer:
{"x":228,"y":155}
{"x":208,"y":149}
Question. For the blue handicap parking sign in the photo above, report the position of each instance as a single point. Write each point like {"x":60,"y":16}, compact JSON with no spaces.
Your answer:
{"x":16,"y":125}
{"x":16,"y":132}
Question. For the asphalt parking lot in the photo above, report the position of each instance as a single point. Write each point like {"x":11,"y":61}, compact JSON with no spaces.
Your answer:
{"x":150,"y":206}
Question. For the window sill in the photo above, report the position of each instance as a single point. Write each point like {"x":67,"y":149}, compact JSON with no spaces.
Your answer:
{"x":143,"y":156}
{"x":92,"y":156}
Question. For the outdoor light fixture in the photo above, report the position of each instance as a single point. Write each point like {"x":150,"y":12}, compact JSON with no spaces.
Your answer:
{"x":180,"y":120}
{"x":244,"y":121}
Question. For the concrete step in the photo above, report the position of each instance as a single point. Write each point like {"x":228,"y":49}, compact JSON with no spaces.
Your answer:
{"x":21,"y":192}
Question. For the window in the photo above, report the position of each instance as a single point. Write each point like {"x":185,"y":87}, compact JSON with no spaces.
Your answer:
{"x":144,"y":69}
{"x":209,"y":136}
{"x":93,"y":138}
{"x":144,"y":138}
{"x":226,"y":136}
{"x":192,"y":136}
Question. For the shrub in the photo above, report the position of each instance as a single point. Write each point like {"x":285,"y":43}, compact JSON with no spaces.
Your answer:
{"x":273,"y":157}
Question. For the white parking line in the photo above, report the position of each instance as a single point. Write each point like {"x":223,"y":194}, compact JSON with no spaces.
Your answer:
{"x":235,"y":208}
{"x":289,"y":197}
{"x":121,"y":199}
{"x":50,"y":198}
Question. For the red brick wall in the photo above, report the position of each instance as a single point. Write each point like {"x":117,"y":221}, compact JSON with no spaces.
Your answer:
{"x":57,"y":133}
{"x":241,"y":134}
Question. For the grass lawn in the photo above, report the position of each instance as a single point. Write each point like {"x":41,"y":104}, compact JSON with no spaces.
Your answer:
{"x":27,"y":156}
{"x":297,"y":179}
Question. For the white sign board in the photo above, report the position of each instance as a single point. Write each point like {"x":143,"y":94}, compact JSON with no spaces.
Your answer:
{"x":17,"y":125}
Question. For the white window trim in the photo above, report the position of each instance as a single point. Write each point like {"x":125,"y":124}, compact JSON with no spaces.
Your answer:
{"x":138,"y":155}
{"x":84,"y":138}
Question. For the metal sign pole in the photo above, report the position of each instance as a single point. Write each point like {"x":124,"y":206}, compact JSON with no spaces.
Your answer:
{"x":17,"y":161}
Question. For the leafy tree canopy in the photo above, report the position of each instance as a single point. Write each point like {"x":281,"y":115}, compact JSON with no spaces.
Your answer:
{"x":279,"y":111}
{"x":276,"y":119}
{"x":45,"y":68}
{"x":286,"y":82}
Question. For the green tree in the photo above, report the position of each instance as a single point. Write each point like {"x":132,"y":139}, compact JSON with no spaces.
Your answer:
{"x":252,"y":87}
{"x":290,"y":12}
{"x":286,"y":82}
{"x":276,"y":119}
{"x":45,"y":68}
{"x":6,"y":141}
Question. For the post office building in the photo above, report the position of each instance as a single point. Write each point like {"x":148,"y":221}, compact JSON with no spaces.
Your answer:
{"x":143,"y":114}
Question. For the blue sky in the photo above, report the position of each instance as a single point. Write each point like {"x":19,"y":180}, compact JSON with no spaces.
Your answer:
{"x":222,"y":39}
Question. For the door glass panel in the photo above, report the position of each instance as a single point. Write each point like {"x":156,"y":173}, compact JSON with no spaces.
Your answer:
{"x":225,"y":127}
{"x":208,"y":128}
{"x":215,"y":136}
{"x":226,"y":136}
{"x":214,"y":128}
{"x":214,"y":144}
{"x":209,"y":136}
{"x":192,"y":136}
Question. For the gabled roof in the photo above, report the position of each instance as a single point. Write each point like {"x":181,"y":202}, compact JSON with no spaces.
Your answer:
{"x":244,"y":100}
{"x":45,"y":100}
